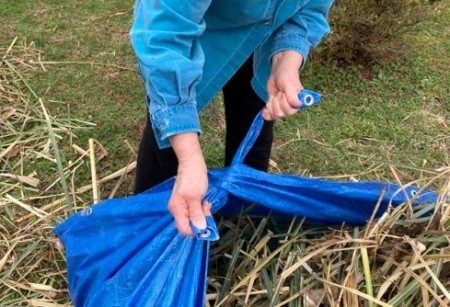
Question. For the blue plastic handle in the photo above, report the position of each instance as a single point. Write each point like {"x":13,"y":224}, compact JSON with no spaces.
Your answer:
{"x":308,"y":98}
{"x":210,"y":233}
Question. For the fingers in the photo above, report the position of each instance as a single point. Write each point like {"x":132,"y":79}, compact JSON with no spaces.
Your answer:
{"x":291,"y":91}
{"x":187,"y":212}
{"x":281,"y":105}
{"x":181,"y":215}
{"x":273,"y":111}
{"x":283,"y":85}
{"x":196,"y":215}
{"x":185,"y":203}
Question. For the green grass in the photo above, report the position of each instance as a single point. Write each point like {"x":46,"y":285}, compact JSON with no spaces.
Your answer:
{"x":398,"y":117}
{"x":95,"y":89}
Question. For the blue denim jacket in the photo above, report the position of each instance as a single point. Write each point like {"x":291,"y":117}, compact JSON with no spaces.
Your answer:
{"x":187,"y":50}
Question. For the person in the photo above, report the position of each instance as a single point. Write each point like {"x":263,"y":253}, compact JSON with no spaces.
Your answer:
{"x":188,"y":51}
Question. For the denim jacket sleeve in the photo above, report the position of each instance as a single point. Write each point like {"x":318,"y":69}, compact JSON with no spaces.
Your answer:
{"x":165,"y":36}
{"x":303,"y":30}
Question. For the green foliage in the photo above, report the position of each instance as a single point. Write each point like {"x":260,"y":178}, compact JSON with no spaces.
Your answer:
{"x":370,"y":32}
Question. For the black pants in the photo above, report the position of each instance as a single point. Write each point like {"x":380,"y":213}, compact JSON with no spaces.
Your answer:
{"x":155,"y":165}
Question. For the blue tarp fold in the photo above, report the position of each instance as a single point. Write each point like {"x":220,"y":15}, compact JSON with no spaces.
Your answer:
{"x":127,"y":252}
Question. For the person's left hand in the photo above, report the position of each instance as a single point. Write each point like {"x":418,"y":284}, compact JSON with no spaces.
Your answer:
{"x":283,"y":85}
{"x":186,"y":202}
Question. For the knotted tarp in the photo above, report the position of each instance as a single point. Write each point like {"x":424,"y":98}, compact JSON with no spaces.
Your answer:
{"x":127,"y":251}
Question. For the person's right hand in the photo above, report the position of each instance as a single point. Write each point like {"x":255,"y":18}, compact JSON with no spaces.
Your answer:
{"x":284,"y":85}
{"x":186,"y":202}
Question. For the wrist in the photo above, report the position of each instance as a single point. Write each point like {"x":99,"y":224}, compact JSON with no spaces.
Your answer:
{"x":292,"y":57}
{"x":187,"y":149}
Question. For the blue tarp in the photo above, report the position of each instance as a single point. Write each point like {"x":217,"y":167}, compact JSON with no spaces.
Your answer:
{"x":127,"y":251}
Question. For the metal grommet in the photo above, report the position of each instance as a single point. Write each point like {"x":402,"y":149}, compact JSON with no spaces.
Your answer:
{"x":309,"y":100}
{"x":86,"y":211}
{"x":204,"y":233}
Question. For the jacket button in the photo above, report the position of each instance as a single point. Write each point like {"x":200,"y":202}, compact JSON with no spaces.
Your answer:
{"x":267,"y":22}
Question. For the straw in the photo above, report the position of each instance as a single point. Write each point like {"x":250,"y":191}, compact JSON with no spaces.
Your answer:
{"x":95,"y":192}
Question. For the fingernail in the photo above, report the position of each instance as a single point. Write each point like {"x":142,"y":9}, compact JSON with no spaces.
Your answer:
{"x":200,"y":224}
{"x":207,"y":208}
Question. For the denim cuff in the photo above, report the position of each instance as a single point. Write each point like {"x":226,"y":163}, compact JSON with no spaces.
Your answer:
{"x":174,"y":120}
{"x":290,"y":41}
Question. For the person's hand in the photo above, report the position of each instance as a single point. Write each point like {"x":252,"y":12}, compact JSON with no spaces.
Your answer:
{"x":191,"y":184}
{"x":283,"y":85}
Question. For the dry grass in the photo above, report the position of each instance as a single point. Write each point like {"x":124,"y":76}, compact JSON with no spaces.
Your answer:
{"x":401,"y":259}
{"x":32,"y":267}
